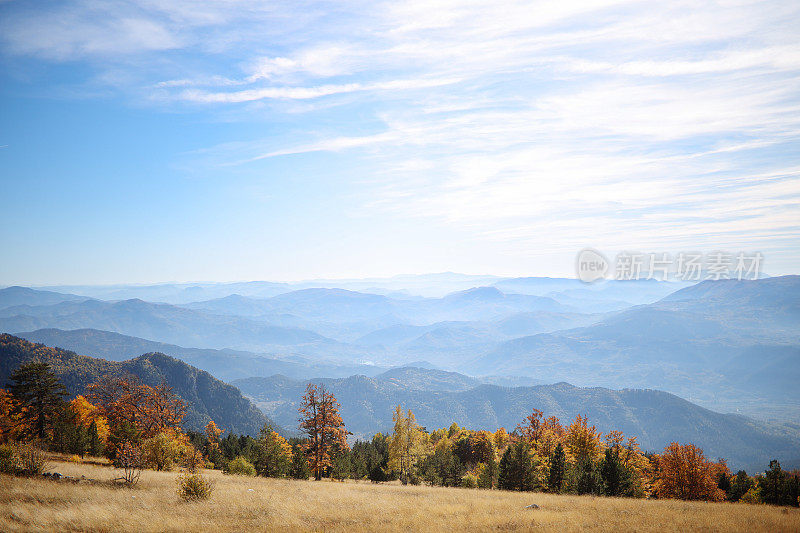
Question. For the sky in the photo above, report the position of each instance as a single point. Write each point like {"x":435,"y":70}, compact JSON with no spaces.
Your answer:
{"x":182,"y":140}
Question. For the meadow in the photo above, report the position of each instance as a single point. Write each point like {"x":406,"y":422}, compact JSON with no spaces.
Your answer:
{"x":264,"y":504}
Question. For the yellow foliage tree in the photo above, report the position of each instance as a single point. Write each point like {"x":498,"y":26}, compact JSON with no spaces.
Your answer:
{"x":87,"y":413}
{"x":407,"y":443}
{"x":582,"y":440}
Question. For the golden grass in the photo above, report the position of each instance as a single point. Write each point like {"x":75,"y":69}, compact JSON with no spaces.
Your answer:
{"x":248,"y":504}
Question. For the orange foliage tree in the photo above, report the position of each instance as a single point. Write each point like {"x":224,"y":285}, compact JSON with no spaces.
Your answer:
{"x":684,"y":473}
{"x":212,"y":434}
{"x":321,"y":422}
{"x":125,"y":400}
{"x":10,"y":417}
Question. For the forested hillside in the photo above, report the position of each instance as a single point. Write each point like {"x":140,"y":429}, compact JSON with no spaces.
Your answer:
{"x":207,"y":397}
{"x":655,"y":417}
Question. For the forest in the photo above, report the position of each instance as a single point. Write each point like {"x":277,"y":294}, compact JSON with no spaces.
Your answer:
{"x":137,"y":426}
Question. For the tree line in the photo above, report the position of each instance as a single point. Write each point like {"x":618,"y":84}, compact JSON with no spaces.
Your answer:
{"x":130,"y":422}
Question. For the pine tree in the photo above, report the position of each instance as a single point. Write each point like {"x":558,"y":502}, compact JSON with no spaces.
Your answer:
{"x":299,"y":467}
{"x":613,"y":474}
{"x":39,"y":398}
{"x":95,"y":444}
{"x":772,"y":484}
{"x":739,"y":486}
{"x":516,"y":468}
{"x":555,"y":479}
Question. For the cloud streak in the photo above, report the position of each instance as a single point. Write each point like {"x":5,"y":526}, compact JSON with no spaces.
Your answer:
{"x":537,"y":124}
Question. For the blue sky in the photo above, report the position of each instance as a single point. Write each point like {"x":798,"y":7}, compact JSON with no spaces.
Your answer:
{"x":177,"y":140}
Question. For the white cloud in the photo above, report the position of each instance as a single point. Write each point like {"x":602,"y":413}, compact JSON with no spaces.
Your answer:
{"x":535,"y":123}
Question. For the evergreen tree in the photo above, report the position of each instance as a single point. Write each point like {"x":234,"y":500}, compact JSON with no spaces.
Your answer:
{"x":69,"y":435}
{"x":95,"y":444}
{"x":586,"y":477}
{"x":613,"y":474}
{"x":39,"y":398}
{"x":488,"y":473}
{"x":341,"y":465}
{"x":740,"y":484}
{"x":299,"y":468}
{"x":516,"y":468}
{"x":555,"y":479}
{"x":772,"y":484}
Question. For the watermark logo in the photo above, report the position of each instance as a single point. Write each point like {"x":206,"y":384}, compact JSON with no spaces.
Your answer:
{"x":591,"y":265}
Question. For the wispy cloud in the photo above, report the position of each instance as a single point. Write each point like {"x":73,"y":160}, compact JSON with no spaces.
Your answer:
{"x":532,"y":123}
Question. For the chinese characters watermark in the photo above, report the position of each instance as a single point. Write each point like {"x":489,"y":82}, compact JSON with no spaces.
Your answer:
{"x":592,"y":265}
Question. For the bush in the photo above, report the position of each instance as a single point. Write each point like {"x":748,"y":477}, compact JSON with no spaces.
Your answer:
{"x":31,"y":460}
{"x":240,"y":467}
{"x":469,"y":481}
{"x":194,"y":487}
{"x":752,"y":496}
{"x":131,"y":459}
{"x":9,"y":460}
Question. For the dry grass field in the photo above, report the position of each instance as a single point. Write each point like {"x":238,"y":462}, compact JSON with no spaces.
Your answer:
{"x":258,"y":504}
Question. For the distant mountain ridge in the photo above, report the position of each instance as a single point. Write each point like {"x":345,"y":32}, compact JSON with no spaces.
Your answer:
{"x":17,"y":296}
{"x":682,"y":343}
{"x":165,"y":322}
{"x":224,"y":364}
{"x":207,"y":397}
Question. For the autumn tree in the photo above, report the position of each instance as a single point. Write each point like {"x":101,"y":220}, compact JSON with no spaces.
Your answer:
{"x":129,"y":404}
{"x":406,"y":445}
{"x":274,"y":455}
{"x":582,"y":440}
{"x":321,"y":422}
{"x":38,"y":398}
{"x":212,"y":433}
{"x":530,"y":429}
{"x":685,"y":474}
{"x":501,"y":438}
{"x":10,"y":417}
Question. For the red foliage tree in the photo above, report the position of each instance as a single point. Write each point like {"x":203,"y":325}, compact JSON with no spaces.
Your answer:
{"x":320,"y":420}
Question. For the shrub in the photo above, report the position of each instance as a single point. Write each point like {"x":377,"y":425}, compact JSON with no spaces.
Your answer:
{"x":752,"y":496}
{"x":31,"y":460}
{"x":240,"y":467}
{"x":469,"y":481}
{"x":131,"y":459}
{"x":9,"y":460}
{"x":194,"y":487}
{"x":75,"y":459}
